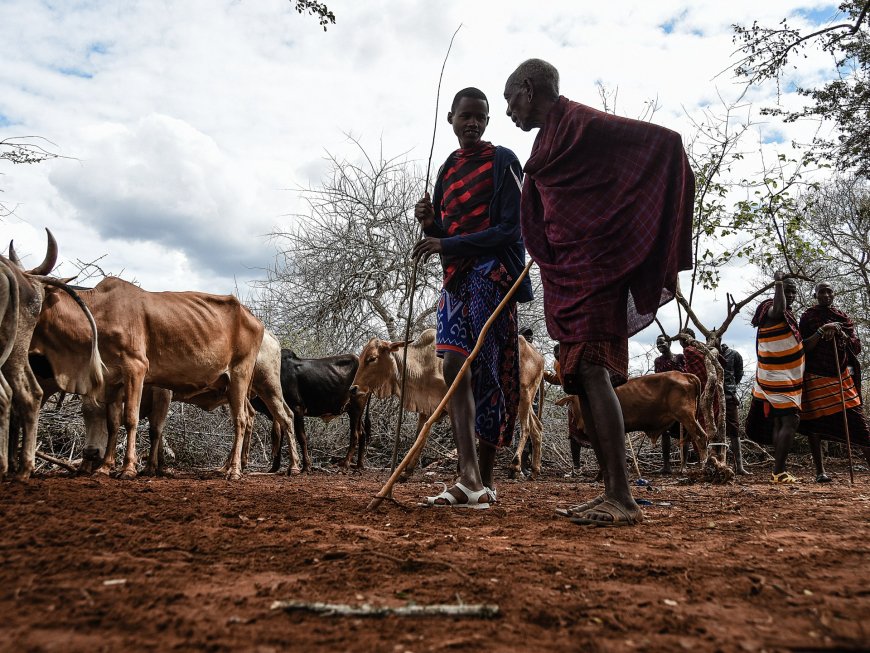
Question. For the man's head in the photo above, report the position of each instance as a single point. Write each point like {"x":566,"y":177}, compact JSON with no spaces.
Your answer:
{"x":530,"y":91}
{"x":824,"y":294}
{"x":469,"y":115}
{"x":790,"y":290}
{"x":685,"y":335}
{"x":663,"y":345}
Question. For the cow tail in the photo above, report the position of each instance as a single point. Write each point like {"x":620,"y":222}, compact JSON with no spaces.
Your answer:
{"x":367,"y":422}
{"x":95,"y":363}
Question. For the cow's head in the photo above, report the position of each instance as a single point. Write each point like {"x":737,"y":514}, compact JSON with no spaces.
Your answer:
{"x":378,"y":370}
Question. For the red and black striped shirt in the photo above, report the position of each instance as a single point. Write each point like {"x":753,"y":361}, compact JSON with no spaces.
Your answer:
{"x":468,"y":191}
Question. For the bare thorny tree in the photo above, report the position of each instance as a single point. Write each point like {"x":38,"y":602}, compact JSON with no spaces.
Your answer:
{"x":343,"y":269}
{"x":24,"y":150}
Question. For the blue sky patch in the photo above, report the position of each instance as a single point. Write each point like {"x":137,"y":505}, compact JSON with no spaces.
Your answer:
{"x":668,"y":26}
{"x":820,"y":15}
{"x":74,"y":72}
{"x":98,"y":48}
{"x":772,"y":136}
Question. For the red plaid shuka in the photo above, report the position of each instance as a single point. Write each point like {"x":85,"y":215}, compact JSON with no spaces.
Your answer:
{"x":826,"y":374}
{"x":821,"y":360}
{"x":607,"y":216}
{"x":611,"y":354}
{"x":676,"y":363}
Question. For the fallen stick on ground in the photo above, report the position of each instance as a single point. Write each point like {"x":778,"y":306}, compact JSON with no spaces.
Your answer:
{"x":56,"y":461}
{"x":481,"y":610}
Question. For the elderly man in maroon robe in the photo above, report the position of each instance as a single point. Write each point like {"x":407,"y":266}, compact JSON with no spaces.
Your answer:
{"x":606,"y":214}
{"x":831,"y":344}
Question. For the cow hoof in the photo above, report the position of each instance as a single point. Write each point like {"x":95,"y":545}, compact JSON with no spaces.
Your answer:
{"x":103,"y":470}
{"x":512,"y":473}
{"x":127,"y":475}
{"x":148,"y":471}
{"x":717,"y":473}
{"x":23,"y":475}
{"x":234,"y":476}
{"x":533,"y":475}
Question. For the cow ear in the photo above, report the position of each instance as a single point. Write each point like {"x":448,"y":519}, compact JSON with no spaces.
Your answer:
{"x":396,"y":346}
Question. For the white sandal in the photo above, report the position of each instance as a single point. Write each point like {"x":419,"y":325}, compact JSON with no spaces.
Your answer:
{"x":472,"y":498}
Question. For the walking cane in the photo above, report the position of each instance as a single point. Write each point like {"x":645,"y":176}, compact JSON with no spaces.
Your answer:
{"x":845,"y":417}
{"x":387,"y":490}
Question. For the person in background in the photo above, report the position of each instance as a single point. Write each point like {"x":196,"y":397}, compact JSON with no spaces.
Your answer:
{"x":774,"y":413}
{"x":831,"y":344}
{"x":732,"y":366}
{"x":668,"y":362}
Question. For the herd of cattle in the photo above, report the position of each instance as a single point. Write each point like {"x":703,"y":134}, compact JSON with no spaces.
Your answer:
{"x":129,"y":353}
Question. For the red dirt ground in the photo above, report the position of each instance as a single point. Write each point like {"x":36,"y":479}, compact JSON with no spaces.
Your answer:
{"x":194,"y":563}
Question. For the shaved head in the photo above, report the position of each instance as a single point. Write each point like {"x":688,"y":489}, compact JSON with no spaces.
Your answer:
{"x":543,"y":76}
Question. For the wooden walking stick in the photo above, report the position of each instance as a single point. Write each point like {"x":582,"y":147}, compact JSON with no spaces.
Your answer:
{"x":845,"y":417}
{"x":387,"y":490}
{"x":413,"y":286}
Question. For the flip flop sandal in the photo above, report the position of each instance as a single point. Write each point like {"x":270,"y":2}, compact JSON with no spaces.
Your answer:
{"x":580,"y":508}
{"x":619,"y":516}
{"x":472,"y":499}
{"x":783,"y":478}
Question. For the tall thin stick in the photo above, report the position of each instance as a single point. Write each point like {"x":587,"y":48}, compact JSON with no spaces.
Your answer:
{"x":387,"y":490}
{"x":633,"y":456}
{"x":845,"y":417}
{"x":414,"y":271}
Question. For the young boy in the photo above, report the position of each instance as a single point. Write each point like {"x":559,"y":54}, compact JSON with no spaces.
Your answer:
{"x":473,"y":223}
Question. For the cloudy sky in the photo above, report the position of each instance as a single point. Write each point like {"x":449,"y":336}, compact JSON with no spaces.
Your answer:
{"x":189,"y":124}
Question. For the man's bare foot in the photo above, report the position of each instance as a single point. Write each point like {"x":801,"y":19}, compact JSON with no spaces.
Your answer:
{"x":610,"y":512}
{"x":580,"y":508}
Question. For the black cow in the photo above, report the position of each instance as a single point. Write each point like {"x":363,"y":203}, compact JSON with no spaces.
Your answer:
{"x":320,"y":387}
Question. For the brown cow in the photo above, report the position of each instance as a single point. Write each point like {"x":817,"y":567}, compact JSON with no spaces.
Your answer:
{"x":32,"y":288}
{"x":188,"y":342}
{"x":653,"y":402}
{"x":265,"y":384}
{"x":380,"y":370}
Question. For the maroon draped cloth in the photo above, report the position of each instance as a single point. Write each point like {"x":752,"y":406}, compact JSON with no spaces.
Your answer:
{"x":607,"y":215}
{"x":821,"y":360}
{"x":676,"y":363}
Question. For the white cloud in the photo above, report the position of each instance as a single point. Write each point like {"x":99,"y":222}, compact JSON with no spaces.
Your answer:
{"x":190,"y":120}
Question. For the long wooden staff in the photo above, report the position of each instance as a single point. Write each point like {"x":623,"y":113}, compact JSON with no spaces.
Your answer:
{"x":413,"y":286}
{"x":845,"y":417}
{"x":387,"y":490}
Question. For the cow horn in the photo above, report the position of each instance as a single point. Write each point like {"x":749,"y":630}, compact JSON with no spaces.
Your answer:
{"x":13,"y":255}
{"x":50,"y":259}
